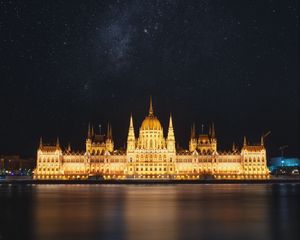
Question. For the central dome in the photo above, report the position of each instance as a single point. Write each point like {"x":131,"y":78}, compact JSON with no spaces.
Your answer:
{"x":151,"y":122}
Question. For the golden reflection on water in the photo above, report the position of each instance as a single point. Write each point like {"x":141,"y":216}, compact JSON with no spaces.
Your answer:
{"x":160,"y":212}
{"x":151,"y":213}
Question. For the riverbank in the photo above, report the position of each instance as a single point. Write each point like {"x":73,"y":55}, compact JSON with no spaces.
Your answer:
{"x":133,"y":181}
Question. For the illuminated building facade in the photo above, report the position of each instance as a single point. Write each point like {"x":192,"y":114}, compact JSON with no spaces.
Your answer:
{"x":152,"y":156}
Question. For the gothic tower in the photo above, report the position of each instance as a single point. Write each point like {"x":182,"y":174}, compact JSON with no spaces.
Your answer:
{"x":131,"y":137}
{"x":171,"y":137}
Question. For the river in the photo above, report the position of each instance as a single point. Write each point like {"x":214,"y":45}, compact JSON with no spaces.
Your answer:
{"x":169,"y":212}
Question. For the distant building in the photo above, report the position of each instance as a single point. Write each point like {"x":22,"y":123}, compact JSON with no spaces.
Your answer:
{"x":15,"y":162}
{"x":151,"y":155}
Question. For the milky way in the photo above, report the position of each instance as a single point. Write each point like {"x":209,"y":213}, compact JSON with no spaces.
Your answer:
{"x":63,"y":65}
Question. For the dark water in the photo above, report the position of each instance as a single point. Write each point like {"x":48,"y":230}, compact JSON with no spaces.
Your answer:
{"x":150,"y":212}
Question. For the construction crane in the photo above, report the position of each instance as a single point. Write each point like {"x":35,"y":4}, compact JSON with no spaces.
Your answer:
{"x":264,"y":135}
{"x":281,"y":149}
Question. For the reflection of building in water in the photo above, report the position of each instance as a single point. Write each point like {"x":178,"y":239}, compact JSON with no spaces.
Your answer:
{"x":151,"y":155}
{"x":145,"y":212}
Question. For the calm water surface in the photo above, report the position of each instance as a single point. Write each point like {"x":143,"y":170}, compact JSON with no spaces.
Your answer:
{"x":150,"y":212}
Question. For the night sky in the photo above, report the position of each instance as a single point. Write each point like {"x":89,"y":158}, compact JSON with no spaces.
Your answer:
{"x":65,"y":63}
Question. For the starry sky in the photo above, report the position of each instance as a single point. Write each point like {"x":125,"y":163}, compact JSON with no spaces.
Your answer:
{"x":66,"y":63}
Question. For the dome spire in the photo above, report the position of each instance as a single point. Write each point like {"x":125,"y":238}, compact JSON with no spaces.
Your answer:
{"x":151,"y":107}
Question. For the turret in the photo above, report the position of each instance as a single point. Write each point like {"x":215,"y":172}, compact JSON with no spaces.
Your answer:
{"x":213,"y":138}
{"x":92,"y":131}
{"x":57,"y":143}
{"x":89,"y":134}
{"x":233,"y":147}
{"x":193,"y":140}
{"x":109,"y":144}
{"x":41,"y":143}
{"x":245,"y":141}
{"x":193,"y":131}
{"x":69,"y":148}
{"x":213,"y":133}
{"x":88,"y":143}
{"x":108,"y":133}
{"x":171,"y":137}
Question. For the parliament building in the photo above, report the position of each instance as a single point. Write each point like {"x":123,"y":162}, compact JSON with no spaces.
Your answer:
{"x":151,"y":155}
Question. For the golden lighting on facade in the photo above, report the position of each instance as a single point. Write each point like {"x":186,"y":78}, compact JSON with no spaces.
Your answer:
{"x":151,"y":156}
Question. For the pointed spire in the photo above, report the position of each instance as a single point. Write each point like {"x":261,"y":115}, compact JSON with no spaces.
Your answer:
{"x":170,"y":122}
{"x":262,"y":140}
{"x":89,"y":131}
{"x":151,"y":108}
{"x":171,"y":137}
{"x":41,"y":142}
{"x":100,"y":129}
{"x":209,"y":130}
{"x":233,"y":147}
{"x":92,"y":131}
{"x":193,"y":131}
{"x":57,"y":142}
{"x":108,"y":131}
{"x":213,"y":133}
{"x":131,"y":121}
{"x":69,"y":147}
{"x":131,"y":136}
{"x":245,"y":141}
{"x":171,"y":130}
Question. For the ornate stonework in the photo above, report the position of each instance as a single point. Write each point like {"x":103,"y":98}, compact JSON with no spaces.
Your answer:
{"x":152,"y":156}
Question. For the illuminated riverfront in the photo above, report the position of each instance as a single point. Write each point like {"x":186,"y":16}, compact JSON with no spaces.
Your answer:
{"x":151,"y":155}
